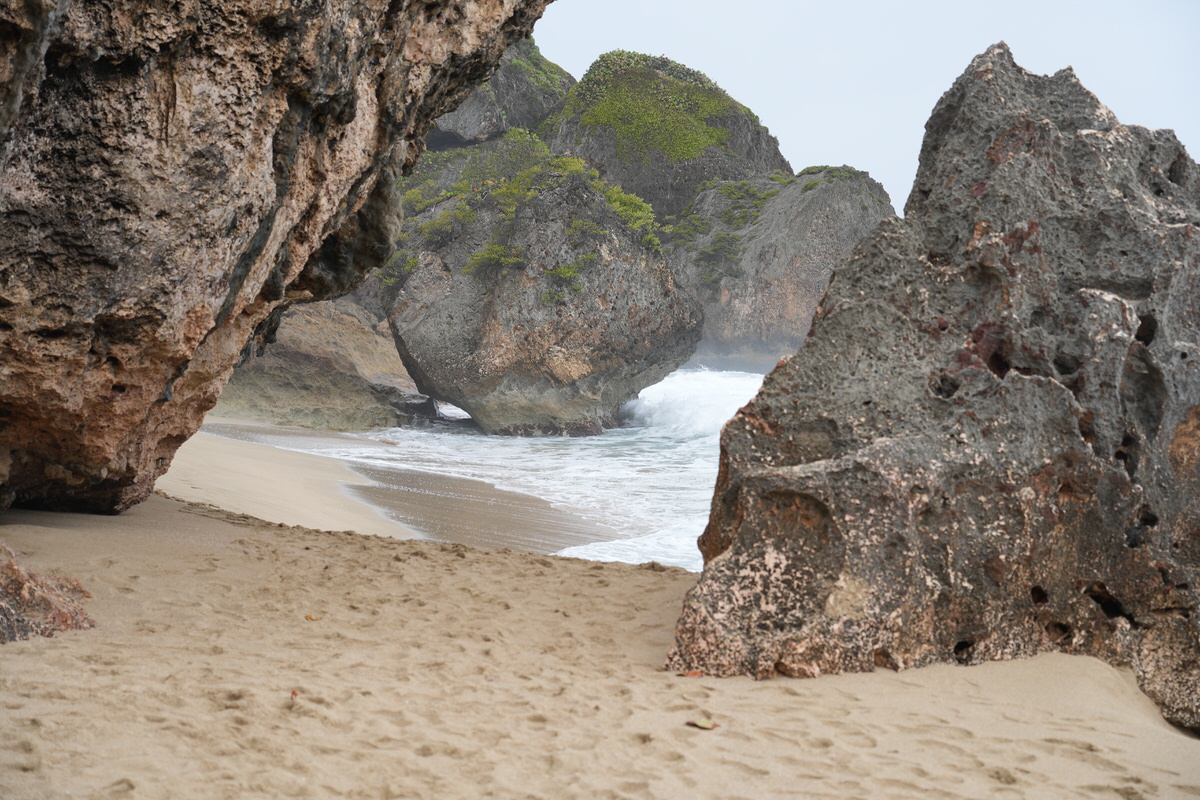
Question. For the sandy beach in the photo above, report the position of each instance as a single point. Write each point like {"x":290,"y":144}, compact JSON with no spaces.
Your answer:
{"x":239,"y":656}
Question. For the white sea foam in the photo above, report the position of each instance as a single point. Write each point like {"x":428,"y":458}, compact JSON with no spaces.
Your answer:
{"x":650,"y":481}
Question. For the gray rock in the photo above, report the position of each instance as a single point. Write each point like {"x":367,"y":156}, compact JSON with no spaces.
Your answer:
{"x":660,"y":130}
{"x":329,"y":365}
{"x":529,"y":301}
{"x":989,"y":446}
{"x":526,"y":89}
{"x":759,"y":254}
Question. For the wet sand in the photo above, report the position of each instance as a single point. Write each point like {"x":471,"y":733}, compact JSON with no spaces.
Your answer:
{"x":417,"y":504}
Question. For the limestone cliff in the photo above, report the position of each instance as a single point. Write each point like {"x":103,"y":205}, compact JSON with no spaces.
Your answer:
{"x":989,"y":446}
{"x":759,"y":254}
{"x":660,"y":130}
{"x":169,"y":178}
{"x":530,"y":293}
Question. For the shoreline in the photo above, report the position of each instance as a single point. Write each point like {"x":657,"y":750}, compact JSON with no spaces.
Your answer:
{"x":235,"y":657}
{"x":419,"y":504}
{"x":275,"y":485}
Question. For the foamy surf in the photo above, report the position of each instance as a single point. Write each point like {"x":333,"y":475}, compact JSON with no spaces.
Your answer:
{"x":650,"y":481}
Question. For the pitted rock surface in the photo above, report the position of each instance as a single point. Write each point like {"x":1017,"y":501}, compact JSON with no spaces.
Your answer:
{"x":169,"y":180}
{"x":989,"y":446}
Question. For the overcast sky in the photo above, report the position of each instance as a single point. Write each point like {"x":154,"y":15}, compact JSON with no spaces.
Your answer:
{"x":853,"y":81}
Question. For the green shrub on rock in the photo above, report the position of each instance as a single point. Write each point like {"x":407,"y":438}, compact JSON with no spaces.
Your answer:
{"x":655,"y":106}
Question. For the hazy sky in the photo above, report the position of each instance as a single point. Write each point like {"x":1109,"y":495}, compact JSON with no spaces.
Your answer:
{"x":853,"y":81}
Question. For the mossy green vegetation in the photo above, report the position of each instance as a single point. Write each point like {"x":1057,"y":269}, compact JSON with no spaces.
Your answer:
{"x":442,"y":228}
{"x":746,"y":201}
{"x":444,"y":200}
{"x":633,"y":211}
{"x":584,"y":230}
{"x":655,"y":106}
{"x":493,"y":259}
{"x":722,"y":250}
{"x":720,"y":258}
{"x":686,"y":228}
{"x":539,"y":70}
{"x":565,"y":281}
{"x":828,"y":173}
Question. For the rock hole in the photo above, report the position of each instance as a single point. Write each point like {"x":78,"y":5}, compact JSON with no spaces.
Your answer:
{"x":1147,"y":329}
{"x":998,"y":364}
{"x":1038,"y":595}
{"x":118,"y":388}
{"x":1176,"y":172}
{"x":946,"y":386}
{"x":1147,"y":517}
{"x":1058,"y":632}
{"x":1143,"y":391}
{"x":884,"y":659}
{"x":1087,"y":427}
{"x":1128,"y":453}
{"x":1135,"y":536}
{"x":962,"y":650}
{"x":1066,"y":364}
{"x":1109,"y":604}
{"x":1183,"y":356}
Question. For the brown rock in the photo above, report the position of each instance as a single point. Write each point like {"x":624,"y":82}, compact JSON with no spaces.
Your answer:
{"x":987,"y":446}
{"x":168,"y":180}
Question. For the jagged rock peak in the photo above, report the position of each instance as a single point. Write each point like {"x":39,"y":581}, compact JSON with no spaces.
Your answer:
{"x":526,"y":89}
{"x":170,"y":179}
{"x":989,"y":445}
{"x":660,"y":130}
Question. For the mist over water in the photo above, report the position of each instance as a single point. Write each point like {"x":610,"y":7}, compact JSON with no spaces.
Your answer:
{"x":650,"y":481}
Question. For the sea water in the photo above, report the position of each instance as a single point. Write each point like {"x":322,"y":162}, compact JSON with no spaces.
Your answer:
{"x":650,"y":481}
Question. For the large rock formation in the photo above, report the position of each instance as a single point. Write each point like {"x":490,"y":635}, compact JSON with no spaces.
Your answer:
{"x":531,"y":294}
{"x":171,"y":177}
{"x":660,"y":130}
{"x":328,"y":365}
{"x":526,"y":89}
{"x":759,"y":253}
{"x":990,"y":444}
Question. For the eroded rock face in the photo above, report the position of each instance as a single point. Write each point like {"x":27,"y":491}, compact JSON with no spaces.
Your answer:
{"x":169,"y":179}
{"x":529,"y":298}
{"x":759,"y":253}
{"x":990,"y":444}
